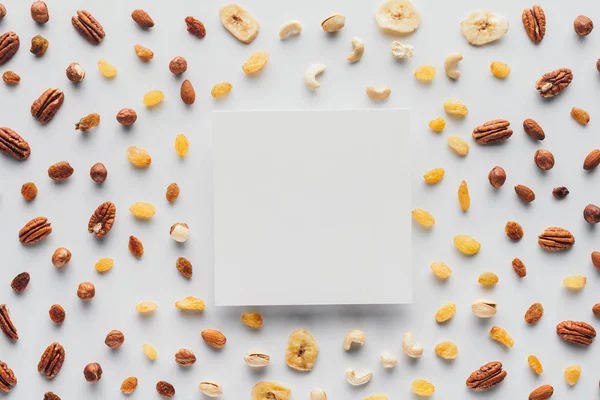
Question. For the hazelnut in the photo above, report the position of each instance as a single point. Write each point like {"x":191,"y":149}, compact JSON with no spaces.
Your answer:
{"x":29,"y":191}
{"x":2,"y":11}
{"x":591,"y":214}
{"x":75,"y":72}
{"x":126,"y":116}
{"x":39,"y":12}
{"x":57,"y":314}
{"x":596,"y":259}
{"x":114,"y":339}
{"x":178,"y":65}
{"x":598,"y":65}
{"x":583,"y":25}
{"x":92,"y":372}
{"x":86,"y":291}
{"x":61,"y":257}
{"x":544,"y":159}
{"x":180,"y":232}
{"x":497,"y":177}
{"x":185,"y":357}
{"x":98,"y":173}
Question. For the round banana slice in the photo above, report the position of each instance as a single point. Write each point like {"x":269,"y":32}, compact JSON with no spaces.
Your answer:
{"x":398,"y":16}
{"x":239,"y":22}
{"x":482,"y":27}
{"x":302,"y":350}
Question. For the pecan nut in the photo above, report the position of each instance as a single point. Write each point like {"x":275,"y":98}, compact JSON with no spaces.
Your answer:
{"x":533,"y":129}
{"x":9,"y":44}
{"x":88,"y":27}
{"x":534,"y":22}
{"x":554,"y":82}
{"x":7,"y":378}
{"x":52,"y":360}
{"x":486,"y":377}
{"x":492,"y":132}
{"x":47,"y":105}
{"x":13,"y":145}
{"x":102,"y":219}
{"x":6,"y":325}
{"x":60,"y":171}
{"x":543,"y":392}
{"x":35,"y":230}
{"x":576,"y":332}
{"x":51,"y":396}
{"x":556,"y":239}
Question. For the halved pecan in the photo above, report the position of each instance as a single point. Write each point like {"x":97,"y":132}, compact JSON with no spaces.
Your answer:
{"x":9,"y":44}
{"x":13,"y":145}
{"x":102,"y":219}
{"x":7,"y":378}
{"x":554,"y":82}
{"x":47,"y":105}
{"x":88,"y":27}
{"x":486,"y":377}
{"x":576,"y":332}
{"x":52,"y":360}
{"x":556,"y":239}
{"x":534,"y":22}
{"x":6,"y":325}
{"x":492,"y":132}
{"x":35,"y":230}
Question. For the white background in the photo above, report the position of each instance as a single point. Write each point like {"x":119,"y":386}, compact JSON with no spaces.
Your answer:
{"x":218,"y":57}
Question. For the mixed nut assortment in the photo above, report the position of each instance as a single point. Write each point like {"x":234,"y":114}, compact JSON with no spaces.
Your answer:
{"x":396,"y":17}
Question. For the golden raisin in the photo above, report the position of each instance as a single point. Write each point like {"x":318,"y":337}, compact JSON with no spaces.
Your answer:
{"x":580,"y":115}
{"x":425,"y":73}
{"x":421,"y":387}
{"x":104,"y":264}
{"x":191,"y":303}
{"x":142,"y":210}
{"x":255,"y":62}
{"x":434,"y":176}
{"x":11,"y":78}
{"x":447,"y":350}
{"x":535,"y":364}
{"x":488,"y":278}
{"x":29,"y":191}
{"x":464,"y":200}
{"x":575,"y":282}
{"x":172,"y":192}
{"x":499,"y":69}
{"x":221,"y":89}
{"x":466,"y":244}
{"x":440,"y":269}
{"x":129,"y":385}
{"x":153,"y":98}
{"x":106,"y":69}
{"x":456,"y":108}
{"x":424,"y":218}
{"x":143,"y":52}
{"x":252,"y":320}
{"x":88,"y":122}
{"x":182,"y":145}
{"x":572,"y":374}
{"x":501,"y":336}
{"x":146,"y":307}
{"x":445,"y":312}
{"x":150,"y":351}
{"x":437,"y":124}
{"x":136,"y":247}
{"x":138,"y":157}
{"x":459,"y":145}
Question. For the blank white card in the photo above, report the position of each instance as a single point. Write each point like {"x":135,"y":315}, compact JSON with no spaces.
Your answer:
{"x":312,"y":207}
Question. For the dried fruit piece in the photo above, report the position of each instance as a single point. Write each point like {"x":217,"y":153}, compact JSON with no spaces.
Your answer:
{"x":575,"y":282}
{"x":534,"y":313}
{"x":252,"y":320}
{"x":524,"y":193}
{"x":270,"y":391}
{"x":534,"y":22}
{"x":138,"y":157}
{"x":146,"y":307}
{"x":466,"y":244}
{"x":191,"y":303}
{"x":398,"y":17}
{"x":482,"y":27}
{"x":554,"y":82}
{"x":29,"y":191}
{"x":165,"y":389}
{"x":486,"y":377}
{"x":129,"y":385}
{"x":560,"y":192}
{"x":136,"y":247}
{"x":11,"y":78}
{"x":519,"y":267}
{"x":39,"y":45}
{"x":421,"y":387}
{"x":556,"y":239}
{"x":57,"y":314}
{"x":501,"y":336}
{"x":184,"y":266}
{"x":423,"y":217}
{"x":445,"y":312}
{"x":143,"y":53}
{"x":437,"y":125}
{"x":580,"y":115}
{"x":513,"y":230}
{"x":484,"y":308}
{"x":488,"y":279}
{"x":60,"y":171}
{"x":104,"y":264}
{"x":106,"y":69}
{"x":572,"y":374}
{"x":185,"y":357}
{"x":150,"y":351}
{"x":402,"y":51}
{"x":434,"y":176}
{"x":302,"y":350}
{"x":142,"y":210}
{"x":102,"y":219}
{"x":172,"y":192}
{"x":214,"y":338}
{"x":221,"y":89}
{"x":497,"y":177}
{"x":447,"y":350}
{"x":441,"y":270}
{"x":255,"y":62}
{"x":464,"y":200}
{"x":499,"y":69}
{"x":239,"y":22}
{"x":425,"y":73}
{"x":20,"y":282}
{"x":153,"y":98}
{"x":195,"y":27}
{"x":182,"y":145}
{"x":535,"y":364}
{"x":142,"y":18}
{"x":459,"y":145}
{"x":88,"y":122}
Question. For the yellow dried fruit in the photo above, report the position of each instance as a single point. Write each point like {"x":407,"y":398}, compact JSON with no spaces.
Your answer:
{"x":535,"y":364}
{"x":143,"y":53}
{"x":463,"y":196}
{"x":466,"y":244}
{"x":575,"y":282}
{"x":146,"y":307}
{"x":572,"y":374}
{"x":424,"y":218}
{"x":255,"y":62}
{"x":425,"y":73}
{"x":437,"y":124}
{"x":150,"y":351}
{"x":129,"y":385}
{"x":447,"y":350}
{"x":302,"y":350}
{"x":138,"y":157}
{"x":501,"y":336}
{"x":434,"y":176}
{"x":221,"y":89}
{"x":191,"y":303}
{"x":580,"y":115}
{"x":182,"y":145}
{"x":106,"y":69}
{"x":459,"y":145}
{"x":142,"y":210}
{"x":445,"y":312}
{"x":499,"y":69}
{"x":456,"y":108}
{"x":488,"y":278}
{"x":252,"y":320}
{"x":441,"y":270}
{"x":88,"y":122}
{"x":376,"y":397}
{"x":153,"y":98}
{"x":104,"y":264}
{"x":421,"y":387}
{"x":270,"y":391}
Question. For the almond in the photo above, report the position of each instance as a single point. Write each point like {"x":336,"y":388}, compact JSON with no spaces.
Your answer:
{"x":542,"y":393}
{"x":60,"y":171}
{"x":525,"y":194}
{"x":214,"y":338}
{"x":188,"y":94}
{"x":592,"y":160}
{"x":142,"y":18}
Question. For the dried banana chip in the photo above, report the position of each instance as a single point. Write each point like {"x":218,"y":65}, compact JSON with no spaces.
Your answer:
{"x":302,"y":350}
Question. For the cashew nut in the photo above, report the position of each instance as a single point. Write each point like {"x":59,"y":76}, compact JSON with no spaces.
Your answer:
{"x":310,"y":76}
{"x":451,"y":64}
{"x":358,"y":48}
{"x":381,"y":93}
{"x":358,"y":380}
{"x":354,"y":337}
{"x":290,"y":28}
{"x":400,"y":50}
{"x":409,"y":347}
{"x":388,"y":360}
{"x":318,"y":394}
